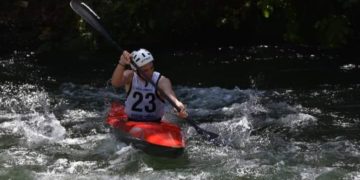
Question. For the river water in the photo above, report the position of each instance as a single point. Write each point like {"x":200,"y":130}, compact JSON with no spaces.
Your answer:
{"x":292,"y":115}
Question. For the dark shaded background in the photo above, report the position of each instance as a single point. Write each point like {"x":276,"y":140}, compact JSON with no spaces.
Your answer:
{"x":269,"y":43}
{"x":51,"y":25}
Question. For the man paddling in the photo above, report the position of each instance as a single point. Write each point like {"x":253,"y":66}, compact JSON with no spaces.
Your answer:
{"x":143,"y":100}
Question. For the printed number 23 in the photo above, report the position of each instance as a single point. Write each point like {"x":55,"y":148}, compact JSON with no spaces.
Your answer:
{"x":150,"y":98}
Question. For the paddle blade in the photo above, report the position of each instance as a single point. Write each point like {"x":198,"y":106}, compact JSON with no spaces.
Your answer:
{"x":87,"y":14}
{"x":210,"y":136}
{"x":93,"y":19}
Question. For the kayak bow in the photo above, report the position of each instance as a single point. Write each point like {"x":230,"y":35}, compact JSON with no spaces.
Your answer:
{"x":155,"y":138}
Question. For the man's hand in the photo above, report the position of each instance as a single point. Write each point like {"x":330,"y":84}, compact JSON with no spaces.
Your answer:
{"x":125,"y":58}
{"x":182,"y":114}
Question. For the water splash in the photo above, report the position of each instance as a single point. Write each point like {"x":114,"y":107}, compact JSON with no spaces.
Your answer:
{"x":27,"y":113}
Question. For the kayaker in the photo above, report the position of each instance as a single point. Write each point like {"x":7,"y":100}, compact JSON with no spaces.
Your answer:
{"x":143,"y":100}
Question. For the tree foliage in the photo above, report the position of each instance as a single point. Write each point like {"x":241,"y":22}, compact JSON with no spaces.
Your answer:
{"x":51,"y":25}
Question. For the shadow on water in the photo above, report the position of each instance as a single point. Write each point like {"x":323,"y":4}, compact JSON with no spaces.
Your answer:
{"x":263,"y":66}
{"x":159,"y":163}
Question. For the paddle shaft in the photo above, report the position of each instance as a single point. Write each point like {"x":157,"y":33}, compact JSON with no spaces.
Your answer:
{"x":94,"y":20}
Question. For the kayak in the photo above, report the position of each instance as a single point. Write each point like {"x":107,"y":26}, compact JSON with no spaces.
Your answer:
{"x":162,"y":139}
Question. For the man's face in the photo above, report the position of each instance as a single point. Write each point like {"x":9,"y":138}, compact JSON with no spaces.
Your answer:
{"x":148,"y":69}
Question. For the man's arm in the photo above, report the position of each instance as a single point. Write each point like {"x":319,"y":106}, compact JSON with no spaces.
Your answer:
{"x":120,"y":75}
{"x":165,"y":85}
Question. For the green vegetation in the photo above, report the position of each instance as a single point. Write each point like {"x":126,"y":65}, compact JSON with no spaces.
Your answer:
{"x":51,"y":25}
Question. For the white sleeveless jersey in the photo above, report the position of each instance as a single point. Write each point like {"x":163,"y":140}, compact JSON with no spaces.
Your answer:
{"x":142,"y":102}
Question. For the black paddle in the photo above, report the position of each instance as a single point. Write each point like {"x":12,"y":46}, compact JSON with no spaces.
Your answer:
{"x":94,"y":20}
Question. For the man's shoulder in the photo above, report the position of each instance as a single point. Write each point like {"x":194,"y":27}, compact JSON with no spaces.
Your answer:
{"x":128,"y":75}
{"x":164,"y":79}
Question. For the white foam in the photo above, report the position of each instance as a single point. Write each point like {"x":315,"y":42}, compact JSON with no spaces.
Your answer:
{"x":78,"y":115}
{"x":84,"y":140}
{"x":348,"y":67}
{"x":209,"y":98}
{"x":37,"y":128}
{"x":72,"y":167}
{"x":28,"y":114}
{"x":299,"y":120}
{"x":22,"y":157}
{"x":314,"y":173}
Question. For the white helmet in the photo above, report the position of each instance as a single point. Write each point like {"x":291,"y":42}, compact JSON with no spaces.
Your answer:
{"x":141,"y":57}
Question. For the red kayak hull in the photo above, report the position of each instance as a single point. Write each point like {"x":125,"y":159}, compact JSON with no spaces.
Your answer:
{"x":155,"y":138}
